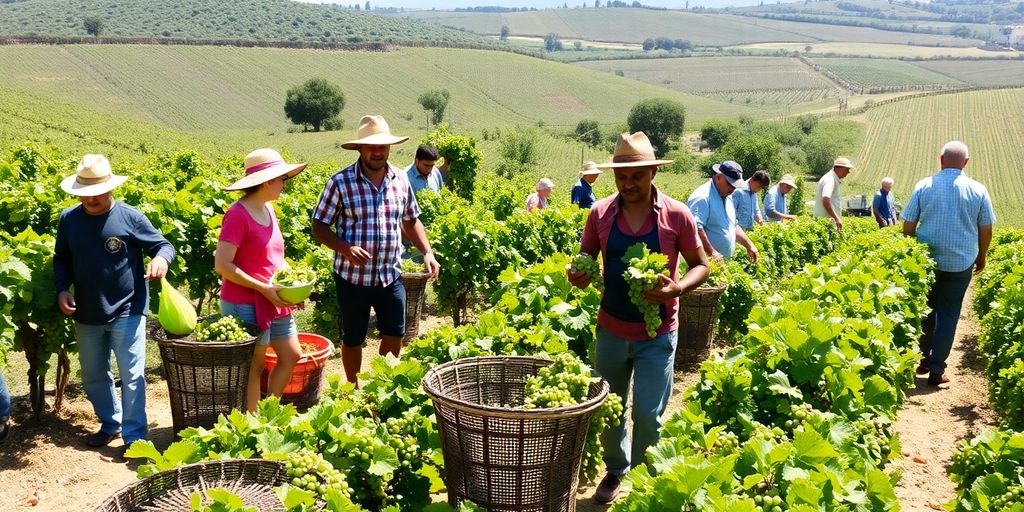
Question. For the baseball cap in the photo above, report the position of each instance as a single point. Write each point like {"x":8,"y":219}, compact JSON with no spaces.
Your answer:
{"x":732,"y":171}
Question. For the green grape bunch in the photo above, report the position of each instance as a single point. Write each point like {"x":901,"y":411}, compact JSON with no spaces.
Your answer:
{"x":641,"y":275}
{"x":221,"y":330}
{"x":585,"y":263}
{"x":294,"y":276}
{"x":1011,"y":500}
{"x":308,"y":470}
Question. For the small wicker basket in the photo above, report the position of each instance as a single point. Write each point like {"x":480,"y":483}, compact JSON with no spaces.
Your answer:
{"x":698,"y":314}
{"x":170,"y":491}
{"x":501,"y":458}
{"x":415,"y":286}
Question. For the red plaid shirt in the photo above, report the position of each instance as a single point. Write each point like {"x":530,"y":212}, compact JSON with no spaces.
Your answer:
{"x":371,"y":218}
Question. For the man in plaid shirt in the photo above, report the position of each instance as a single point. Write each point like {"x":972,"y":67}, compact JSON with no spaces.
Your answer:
{"x":369,"y":204}
{"x":953,"y":215}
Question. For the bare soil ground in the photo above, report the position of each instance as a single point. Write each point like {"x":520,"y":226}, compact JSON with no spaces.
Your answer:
{"x":45,"y":466}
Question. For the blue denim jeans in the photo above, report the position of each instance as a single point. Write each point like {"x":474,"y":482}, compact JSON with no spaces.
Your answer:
{"x":939,"y":327}
{"x":126,"y":338}
{"x":648,"y":364}
{"x":5,"y":398}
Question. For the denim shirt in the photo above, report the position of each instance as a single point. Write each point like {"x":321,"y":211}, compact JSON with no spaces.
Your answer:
{"x":745,"y":203}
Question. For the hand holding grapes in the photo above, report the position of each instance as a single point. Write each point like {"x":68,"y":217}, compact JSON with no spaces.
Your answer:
{"x":664,"y":291}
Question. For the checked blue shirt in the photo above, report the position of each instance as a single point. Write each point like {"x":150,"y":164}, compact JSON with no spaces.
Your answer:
{"x":747,"y":209}
{"x":949,"y":208}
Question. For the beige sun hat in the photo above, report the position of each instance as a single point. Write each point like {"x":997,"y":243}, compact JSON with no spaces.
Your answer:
{"x":545,"y":184}
{"x":93,"y":178}
{"x":788,"y":180}
{"x":633,"y":150}
{"x":590,"y":168}
{"x":262,"y":166}
{"x":843,"y":162}
{"x":373,"y":131}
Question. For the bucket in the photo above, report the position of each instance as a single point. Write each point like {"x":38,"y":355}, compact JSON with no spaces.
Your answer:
{"x":304,"y":387}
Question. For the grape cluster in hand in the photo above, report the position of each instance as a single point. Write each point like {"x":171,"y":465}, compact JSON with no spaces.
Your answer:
{"x":223,"y":329}
{"x":641,"y":275}
{"x":585,"y":263}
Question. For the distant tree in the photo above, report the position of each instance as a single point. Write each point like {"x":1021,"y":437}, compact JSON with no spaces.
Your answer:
{"x":435,"y":101}
{"x":552,"y":42}
{"x":93,"y":25}
{"x":589,"y":132}
{"x":315,"y":103}
{"x":753,"y":152}
{"x":806,"y":123}
{"x":961,"y":31}
{"x":716,"y":132}
{"x":519,"y":150}
{"x":663,"y":43}
{"x":577,"y":45}
{"x":661,"y":119}
{"x":649,"y":44}
{"x":367,"y":5}
{"x":597,"y":3}
{"x":504,"y":33}
{"x":807,"y":49}
{"x":682,"y":44}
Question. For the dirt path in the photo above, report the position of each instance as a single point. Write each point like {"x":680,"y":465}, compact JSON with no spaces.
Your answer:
{"x":933,"y":420}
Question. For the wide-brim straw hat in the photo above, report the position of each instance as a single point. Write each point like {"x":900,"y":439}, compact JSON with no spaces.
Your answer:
{"x":589,"y":169}
{"x":373,"y":131}
{"x":788,"y":180}
{"x":93,"y":178}
{"x":633,"y":150}
{"x":843,"y":162}
{"x":262,"y":166}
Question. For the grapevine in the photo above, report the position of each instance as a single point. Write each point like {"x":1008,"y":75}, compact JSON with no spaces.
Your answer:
{"x":221,"y":330}
{"x":585,"y":263}
{"x":642,"y":276}
{"x":308,"y":470}
{"x":294,"y":276}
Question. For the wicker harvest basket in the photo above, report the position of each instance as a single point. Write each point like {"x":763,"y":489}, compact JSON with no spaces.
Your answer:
{"x":204,"y":380}
{"x":501,"y":458}
{"x":698,"y":314}
{"x":170,"y":491}
{"x":415,"y":286}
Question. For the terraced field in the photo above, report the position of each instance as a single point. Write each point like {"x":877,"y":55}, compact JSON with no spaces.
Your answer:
{"x":903,"y":140}
{"x":868,"y":49}
{"x":226,"y":88}
{"x":884,"y":73}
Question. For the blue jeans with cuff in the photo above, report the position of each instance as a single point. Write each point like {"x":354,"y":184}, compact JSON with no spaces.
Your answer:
{"x":126,"y":338}
{"x":648,"y":364}
{"x":939,"y":328}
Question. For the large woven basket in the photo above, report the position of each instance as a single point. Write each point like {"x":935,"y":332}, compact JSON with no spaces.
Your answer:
{"x":204,"y":380}
{"x":415,"y":286}
{"x":501,"y":458}
{"x":251,"y":479}
{"x":698,"y":314}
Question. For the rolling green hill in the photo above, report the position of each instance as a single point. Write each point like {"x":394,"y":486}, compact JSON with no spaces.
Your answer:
{"x":260,"y":20}
{"x":885,"y":73}
{"x":903,"y":140}
{"x":634,"y":25}
{"x":196,"y":88}
{"x":980,"y":72}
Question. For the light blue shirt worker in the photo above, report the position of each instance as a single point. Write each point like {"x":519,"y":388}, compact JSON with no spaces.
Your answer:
{"x":774,"y":203}
{"x":949,"y":208}
{"x":433,"y":181}
{"x":716,"y":215}
{"x":885,"y":207}
{"x":747,"y":208}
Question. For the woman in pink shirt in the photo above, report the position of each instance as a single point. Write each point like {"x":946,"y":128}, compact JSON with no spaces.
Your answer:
{"x":250,"y":251}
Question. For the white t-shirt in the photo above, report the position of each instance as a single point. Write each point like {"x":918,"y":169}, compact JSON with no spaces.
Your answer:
{"x":828,"y":185}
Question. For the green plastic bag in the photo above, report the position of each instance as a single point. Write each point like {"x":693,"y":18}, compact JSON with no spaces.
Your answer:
{"x":177,"y":315}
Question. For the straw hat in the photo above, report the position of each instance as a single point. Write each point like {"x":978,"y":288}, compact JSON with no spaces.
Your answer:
{"x":545,"y":184}
{"x":788,"y":180}
{"x":590,"y":168}
{"x":843,"y":162}
{"x":373,"y":131}
{"x":93,"y":178}
{"x":262,"y":166}
{"x":633,"y":150}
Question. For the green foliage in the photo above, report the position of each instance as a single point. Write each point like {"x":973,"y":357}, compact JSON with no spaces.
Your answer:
{"x":795,"y":198}
{"x":716,"y":132}
{"x":316,"y":103}
{"x":588,"y":131}
{"x":462,"y":156}
{"x":753,"y":153}
{"x":519,"y":151}
{"x":552,"y":42}
{"x":661,"y":119}
{"x":435,"y":101}
{"x":93,"y":25}
{"x":985,"y":468}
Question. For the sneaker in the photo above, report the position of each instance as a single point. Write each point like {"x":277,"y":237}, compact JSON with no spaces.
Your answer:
{"x":608,"y":489}
{"x":5,"y":428}
{"x":938,"y":379}
{"x":101,"y":438}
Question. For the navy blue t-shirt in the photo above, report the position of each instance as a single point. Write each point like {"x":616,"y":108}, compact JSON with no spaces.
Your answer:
{"x":101,"y":255}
